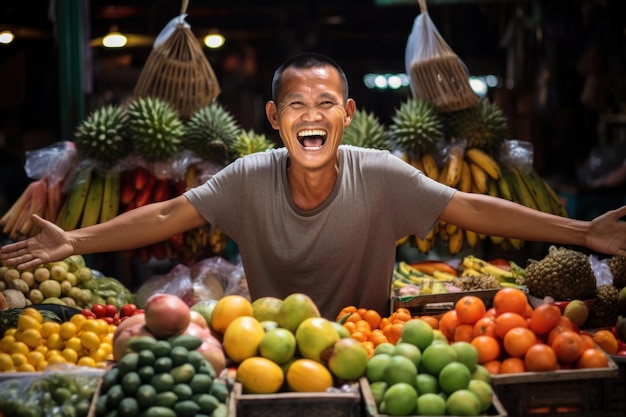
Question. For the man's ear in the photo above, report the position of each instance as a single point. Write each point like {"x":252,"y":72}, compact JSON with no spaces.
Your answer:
{"x":350,"y":109}
{"x":272,"y":114}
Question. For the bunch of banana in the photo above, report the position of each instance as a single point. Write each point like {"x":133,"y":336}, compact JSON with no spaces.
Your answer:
{"x":530,"y":189}
{"x":405,"y":274}
{"x":40,"y":198}
{"x":94,"y":197}
{"x":473,"y":265}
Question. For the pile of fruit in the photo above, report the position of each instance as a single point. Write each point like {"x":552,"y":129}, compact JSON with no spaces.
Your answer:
{"x":277,"y":345}
{"x":69,"y":282}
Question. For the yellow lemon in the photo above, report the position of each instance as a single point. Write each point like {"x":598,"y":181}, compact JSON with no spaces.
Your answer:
{"x":54,"y":341}
{"x":19,"y":347}
{"x":34,"y":357}
{"x":70,"y":355}
{"x":26,"y":367}
{"x":90,"y":340}
{"x":48,"y":328}
{"x":6,"y":343}
{"x":97,"y":326}
{"x":34,"y":313}
{"x":74,"y":343}
{"x":68,"y":330}
{"x":18,"y":359}
{"x":56,"y":359}
{"x":6,"y":363}
{"x":52,"y":352}
{"x":86,"y":361}
{"x":78,"y":320}
{"x":24,"y":322}
{"x":31,"y":337}
{"x":41,"y":366}
{"x":10,"y":332}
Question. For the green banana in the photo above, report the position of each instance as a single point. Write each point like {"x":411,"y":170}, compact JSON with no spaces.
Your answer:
{"x":110,"y":196}
{"x":69,"y":216}
{"x":537,"y":189}
{"x":522,"y":193}
{"x":93,"y":204}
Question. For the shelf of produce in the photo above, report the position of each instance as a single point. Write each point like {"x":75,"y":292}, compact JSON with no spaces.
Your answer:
{"x":432,"y":304}
{"x":369,"y":405}
{"x":294,"y":404}
{"x":568,"y":392}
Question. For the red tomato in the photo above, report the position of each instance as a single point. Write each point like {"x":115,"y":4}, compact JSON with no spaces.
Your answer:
{"x":111,"y":310}
{"x":128,"y":310}
{"x":99,"y":310}
{"x":88,"y":313}
{"x":621,"y":353}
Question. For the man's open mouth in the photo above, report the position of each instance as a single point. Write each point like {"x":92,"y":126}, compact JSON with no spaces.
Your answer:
{"x":312,"y":139}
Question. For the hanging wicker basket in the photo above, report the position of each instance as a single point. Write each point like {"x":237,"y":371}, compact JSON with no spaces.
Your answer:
{"x":178,"y":72}
{"x":441,"y":78}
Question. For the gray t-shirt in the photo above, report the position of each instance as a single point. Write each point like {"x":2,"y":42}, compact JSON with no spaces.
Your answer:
{"x":343,"y":252}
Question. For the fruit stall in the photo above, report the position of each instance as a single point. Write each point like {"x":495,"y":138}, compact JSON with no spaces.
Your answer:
{"x":465,"y":334}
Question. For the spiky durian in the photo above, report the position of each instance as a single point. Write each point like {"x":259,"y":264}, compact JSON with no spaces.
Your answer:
{"x":604,"y":310}
{"x":366,"y":131}
{"x":248,"y":142}
{"x":483,"y":126}
{"x":617,"y":265}
{"x":102,"y":136}
{"x":156,"y":129}
{"x":563,"y":274}
{"x":416,"y":128}
{"x":211,"y":132}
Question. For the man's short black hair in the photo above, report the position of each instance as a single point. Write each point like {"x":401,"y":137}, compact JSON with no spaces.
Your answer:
{"x":308,"y":60}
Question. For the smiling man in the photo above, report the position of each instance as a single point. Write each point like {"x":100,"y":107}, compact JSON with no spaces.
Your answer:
{"x":315,"y":216}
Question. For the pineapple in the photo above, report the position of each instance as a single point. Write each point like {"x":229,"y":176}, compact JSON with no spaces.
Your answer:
{"x":211,"y":132}
{"x":484,"y":127}
{"x":366,"y":131}
{"x":248,"y":142}
{"x":156,"y":129}
{"x":416,"y":128}
{"x":102,"y":135}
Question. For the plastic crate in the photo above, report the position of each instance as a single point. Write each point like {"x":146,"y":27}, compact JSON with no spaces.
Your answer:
{"x":564,"y":393}
{"x":295,"y":404}
{"x":371,"y":410}
{"x":432,"y":304}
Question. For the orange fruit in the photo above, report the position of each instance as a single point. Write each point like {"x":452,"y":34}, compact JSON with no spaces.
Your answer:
{"x":518,"y":340}
{"x":448,"y":323}
{"x":544,"y":318}
{"x":488,"y":348}
{"x":469,"y":309}
{"x":539,"y":358}
{"x":372,"y":317}
{"x":493,"y":366}
{"x":606,"y":340}
{"x":507,"y":321}
{"x":229,"y":308}
{"x":510,"y":299}
{"x":486,"y":326}
{"x":512,"y":365}
{"x":568,"y":346}
{"x":593,"y":358}
{"x":433,"y":321}
{"x":463,"y":332}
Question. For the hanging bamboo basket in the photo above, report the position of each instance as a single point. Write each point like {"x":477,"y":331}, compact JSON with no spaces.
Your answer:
{"x":178,"y":72}
{"x":441,"y":78}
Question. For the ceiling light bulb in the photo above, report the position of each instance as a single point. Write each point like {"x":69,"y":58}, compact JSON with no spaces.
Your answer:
{"x":214,"y":40}
{"x":114,"y":40}
{"x":6,"y":36}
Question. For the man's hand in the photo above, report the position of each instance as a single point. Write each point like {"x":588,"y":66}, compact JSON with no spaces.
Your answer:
{"x":49,"y":245}
{"x":607,"y":233}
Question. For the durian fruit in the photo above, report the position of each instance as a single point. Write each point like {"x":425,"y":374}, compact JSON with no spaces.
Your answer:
{"x":604,"y":310}
{"x":416,"y":128}
{"x":366,"y":131}
{"x":156,"y":129}
{"x":617,"y":266}
{"x":211,"y":132}
{"x":102,"y":136}
{"x":484,"y":127}
{"x":563,"y":274}
{"x":248,"y":142}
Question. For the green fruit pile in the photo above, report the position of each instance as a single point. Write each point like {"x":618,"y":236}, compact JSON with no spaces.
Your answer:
{"x":423,"y":374}
{"x":162,"y":378}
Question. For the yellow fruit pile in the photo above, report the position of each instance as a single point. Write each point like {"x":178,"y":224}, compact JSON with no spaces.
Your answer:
{"x":34,"y":343}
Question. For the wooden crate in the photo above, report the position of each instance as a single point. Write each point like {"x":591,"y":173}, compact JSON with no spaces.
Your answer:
{"x":295,"y":404}
{"x":432,"y":304}
{"x":371,"y":410}
{"x":564,"y":393}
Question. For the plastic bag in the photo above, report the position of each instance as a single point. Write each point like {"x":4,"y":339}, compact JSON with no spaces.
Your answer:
{"x":517,"y":153}
{"x":601,"y":270}
{"x":53,"y":162}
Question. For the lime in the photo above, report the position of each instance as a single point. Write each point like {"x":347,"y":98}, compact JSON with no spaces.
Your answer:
{"x":400,"y":400}
{"x":431,"y":404}
{"x":453,"y":377}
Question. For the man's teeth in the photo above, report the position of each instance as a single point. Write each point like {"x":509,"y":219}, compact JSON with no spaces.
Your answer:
{"x":312,"y":139}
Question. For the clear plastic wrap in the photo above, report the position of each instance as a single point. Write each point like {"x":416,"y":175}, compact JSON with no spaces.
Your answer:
{"x":53,"y":162}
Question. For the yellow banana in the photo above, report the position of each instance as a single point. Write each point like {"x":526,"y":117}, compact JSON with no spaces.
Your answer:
{"x":522,"y":194}
{"x":465,"y":182}
{"x":424,"y":245}
{"x":444,"y":276}
{"x":471,"y":238}
{"x":69,"y":217}
{"x":451,"y":228}
{"x":471,"y":261}
{"x":517,"y":244}
{"x":485,"y":161}
{"x":504,"y":188}
{"x":93,"y":205}
{"x":110,"y":195}
{"x":402,"y":241}
{"x":479,"y":178}
{"x":455,"y":241}
{"x":431,"y":169}
{"x":190,"y":177}
{"x":454,"y":166}
{"x":416,"y":163}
